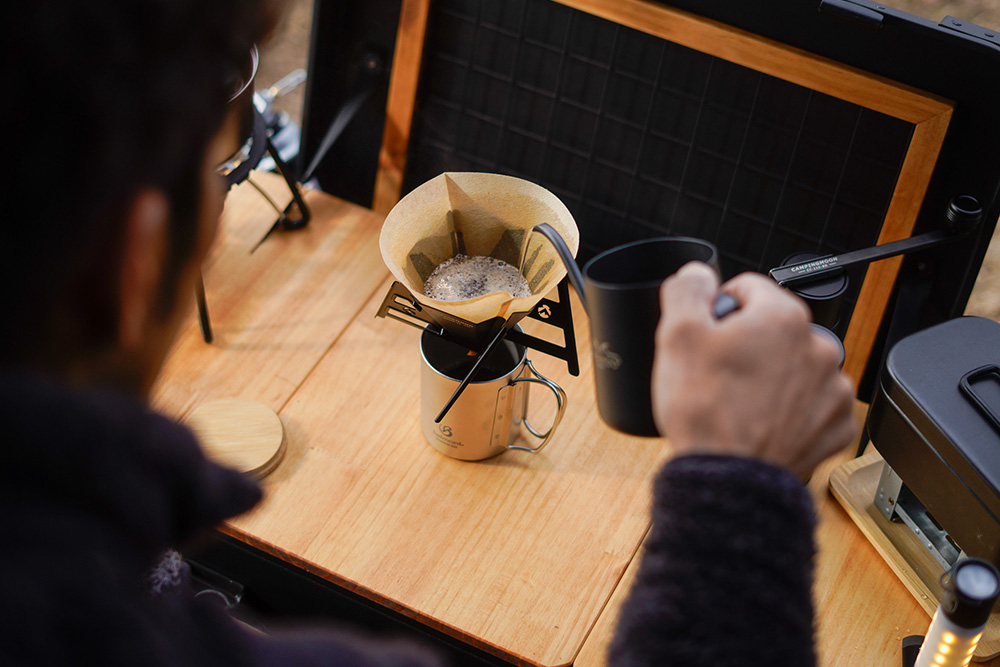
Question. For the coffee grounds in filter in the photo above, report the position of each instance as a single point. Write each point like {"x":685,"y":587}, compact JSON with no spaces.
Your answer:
{"x":463,"y":277}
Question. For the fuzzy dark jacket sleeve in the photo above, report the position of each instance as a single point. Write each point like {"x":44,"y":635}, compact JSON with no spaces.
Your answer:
{"x":727,"y":573}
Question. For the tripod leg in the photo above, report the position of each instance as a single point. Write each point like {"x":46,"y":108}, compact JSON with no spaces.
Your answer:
{"x":199,"y":295}
{"x":288,"y":219}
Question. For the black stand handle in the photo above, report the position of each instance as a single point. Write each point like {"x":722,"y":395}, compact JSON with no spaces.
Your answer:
{"x":471,"y":374}
{"x":285,"y":220}
{"x":561,"y":318}
{"x":963,"y":214}
{"x":399,"y":304}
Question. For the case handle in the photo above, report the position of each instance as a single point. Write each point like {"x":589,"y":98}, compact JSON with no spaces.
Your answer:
{"x":965,"y":385}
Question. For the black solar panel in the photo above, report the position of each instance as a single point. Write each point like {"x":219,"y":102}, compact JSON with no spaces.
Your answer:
{"x":641,"y":137}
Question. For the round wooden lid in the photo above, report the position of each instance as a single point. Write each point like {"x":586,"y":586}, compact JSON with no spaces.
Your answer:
{"x":240,"y":433}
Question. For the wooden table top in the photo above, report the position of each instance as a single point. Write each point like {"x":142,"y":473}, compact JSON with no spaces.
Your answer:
{"x":526,"y":556}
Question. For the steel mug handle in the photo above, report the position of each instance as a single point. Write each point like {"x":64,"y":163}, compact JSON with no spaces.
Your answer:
{"x":560,"y":409}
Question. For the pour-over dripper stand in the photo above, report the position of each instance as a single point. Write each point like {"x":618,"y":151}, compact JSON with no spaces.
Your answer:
{"x":399,"y":304}
{"x":483,"y":337}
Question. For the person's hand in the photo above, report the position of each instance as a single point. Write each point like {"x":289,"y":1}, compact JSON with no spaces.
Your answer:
{"x":757,"y":383}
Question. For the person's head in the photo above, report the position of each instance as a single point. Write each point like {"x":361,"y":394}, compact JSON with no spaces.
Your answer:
{"x":111,"y":109}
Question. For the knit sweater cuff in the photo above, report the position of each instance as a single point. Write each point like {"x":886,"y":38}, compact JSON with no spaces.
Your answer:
{"x":727,"y":571}
{"x":728,"y":483}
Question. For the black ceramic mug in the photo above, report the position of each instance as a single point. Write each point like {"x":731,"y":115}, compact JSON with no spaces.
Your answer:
{"x":620,"y":289}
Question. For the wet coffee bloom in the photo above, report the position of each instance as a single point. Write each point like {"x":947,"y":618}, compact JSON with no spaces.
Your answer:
{"x":463,"y":277}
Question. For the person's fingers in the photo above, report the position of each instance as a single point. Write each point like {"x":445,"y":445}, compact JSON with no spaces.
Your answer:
{"x":831,"y":441}
{"x":826,"y":351}
{"x":689,"y":293}
{"x":760,"y":382}
{"x":832,"y":428}
{"x":756,"y":292}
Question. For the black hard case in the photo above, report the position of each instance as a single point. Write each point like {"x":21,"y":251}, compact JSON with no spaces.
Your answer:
{"x":935,"y":421}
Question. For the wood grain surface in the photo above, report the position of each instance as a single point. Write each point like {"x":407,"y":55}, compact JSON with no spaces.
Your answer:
{"x":277,"y":311}
{"x":516,"y":555}
{"x":239,"y":433}
{"x":403,"y":81}
{"x":900,"y":218}
{"x":525,"y":555}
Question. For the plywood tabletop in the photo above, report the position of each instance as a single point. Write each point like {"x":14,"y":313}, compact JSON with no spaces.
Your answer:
{"x":516,"y":555}
{"x":277,"y":311}
{"x":526,"y":556}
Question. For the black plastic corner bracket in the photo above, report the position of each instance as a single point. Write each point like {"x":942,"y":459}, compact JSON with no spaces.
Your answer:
{"x":911,"y":648}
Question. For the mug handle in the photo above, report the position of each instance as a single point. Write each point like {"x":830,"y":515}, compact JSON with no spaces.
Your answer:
{"x":560,"y":409}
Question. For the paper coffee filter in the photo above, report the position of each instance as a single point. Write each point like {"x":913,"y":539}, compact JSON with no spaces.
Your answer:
{"x":477,"y":214}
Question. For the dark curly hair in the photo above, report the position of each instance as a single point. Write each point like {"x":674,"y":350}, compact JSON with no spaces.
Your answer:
{"x":112,"y":96}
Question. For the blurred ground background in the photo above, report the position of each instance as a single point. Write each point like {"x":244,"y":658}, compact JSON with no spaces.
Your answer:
{"x":289,"y":47}
{"x":286,"y":51}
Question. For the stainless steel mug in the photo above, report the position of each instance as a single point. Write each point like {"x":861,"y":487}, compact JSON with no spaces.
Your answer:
{"x":486,"y":419}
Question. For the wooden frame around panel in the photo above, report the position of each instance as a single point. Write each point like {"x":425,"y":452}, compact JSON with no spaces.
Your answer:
{"x":403,"y":82}
{"x":929,"y":114}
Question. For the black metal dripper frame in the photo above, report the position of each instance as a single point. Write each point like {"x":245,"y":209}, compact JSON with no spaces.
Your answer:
{"x":295,"y":215}
{"x":484,"y":337}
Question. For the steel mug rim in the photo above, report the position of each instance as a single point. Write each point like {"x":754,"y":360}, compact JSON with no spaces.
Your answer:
{"x":521,"y":353}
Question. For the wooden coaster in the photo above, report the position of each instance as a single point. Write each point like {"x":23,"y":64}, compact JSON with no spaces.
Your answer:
{"x":241,"y":434}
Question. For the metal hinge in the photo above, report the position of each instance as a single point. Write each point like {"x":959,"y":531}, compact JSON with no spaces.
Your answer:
{"x":971,"y":29}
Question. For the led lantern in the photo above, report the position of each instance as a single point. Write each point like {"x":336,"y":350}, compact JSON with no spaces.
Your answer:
{"x":970,"y":589}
